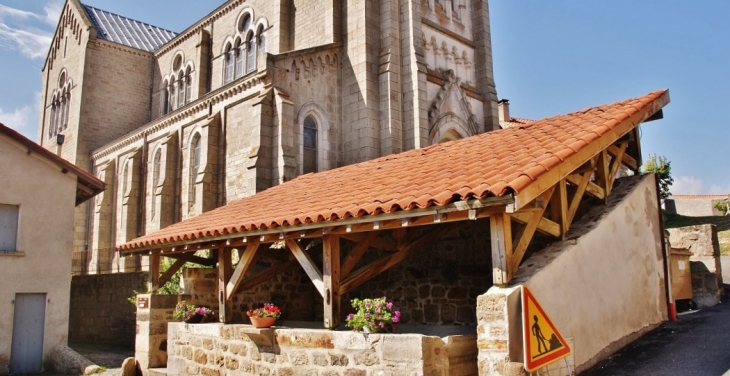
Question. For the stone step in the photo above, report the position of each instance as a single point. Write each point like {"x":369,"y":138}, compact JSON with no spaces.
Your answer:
{"x":157,"y":372}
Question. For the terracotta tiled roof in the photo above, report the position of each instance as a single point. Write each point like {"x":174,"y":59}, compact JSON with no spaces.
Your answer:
{"x":496,"y":163}
{"x":88,"y":185}
{"x":514,"y":122}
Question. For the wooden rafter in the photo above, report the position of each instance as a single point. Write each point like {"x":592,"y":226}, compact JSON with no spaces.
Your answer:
{"x":181,"y":260}
{"x":356,"y":254}
{"x":616,"y":162}
{"x":500,"y":226}
{"x":525,"y":236}
{"x":246,"y":260}
{"x":224,"y":276}
{"x":378,"y":242}
{"x":376,"y":267}
{"x":307,"y":264}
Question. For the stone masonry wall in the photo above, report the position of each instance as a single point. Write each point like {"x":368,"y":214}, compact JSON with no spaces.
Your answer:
{"x":216,"y":349}
{"x":100,"y":312}
{"x":704,"y":263}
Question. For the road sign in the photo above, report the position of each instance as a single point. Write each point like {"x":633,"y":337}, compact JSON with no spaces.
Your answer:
{"x":542,"y":343}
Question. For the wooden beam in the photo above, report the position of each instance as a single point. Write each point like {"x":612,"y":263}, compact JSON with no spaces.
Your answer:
{"x":244,"y":263}
{"x":616,"y":162}
{"x":500,"y":228}
{"x":154,"y":272}
{"x":578,"y":195}
{"x":528,"y":232}
{"x":356,"y":254}
{"x":559,"y":207}
{"x":626,"y":159}
{"x":174,"y":268}
{"x":376,"y":267}
{"x":592,"y":188}
{"x":307,"y":264}
{"x":331,"y":276}
{"x":400,"y":235}
{"x":378,"y":242}
{"x":224,"y":275}
{"x":545,"y":225}
{"x":602,"y":177}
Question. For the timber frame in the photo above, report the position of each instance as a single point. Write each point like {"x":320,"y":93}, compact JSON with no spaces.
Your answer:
{"x":547,"y":205}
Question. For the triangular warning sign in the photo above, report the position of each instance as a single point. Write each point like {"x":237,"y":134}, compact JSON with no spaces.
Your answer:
{"x":542,"y":342}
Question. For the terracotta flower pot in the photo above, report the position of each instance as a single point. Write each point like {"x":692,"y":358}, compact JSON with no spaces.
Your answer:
{"x":262,"y":322}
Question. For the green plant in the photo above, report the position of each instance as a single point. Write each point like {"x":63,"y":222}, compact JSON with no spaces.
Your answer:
{"x":660,"y":166}
{"x":373,"y":316}
{"x":184,"y":311}
{"x":268,"y":310}
{"x":722,"y":206}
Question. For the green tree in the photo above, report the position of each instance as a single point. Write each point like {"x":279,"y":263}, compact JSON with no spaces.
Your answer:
{"x":661,"y":166}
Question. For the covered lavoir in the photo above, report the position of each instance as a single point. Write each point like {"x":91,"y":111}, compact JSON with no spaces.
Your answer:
{"x":433,"y":228}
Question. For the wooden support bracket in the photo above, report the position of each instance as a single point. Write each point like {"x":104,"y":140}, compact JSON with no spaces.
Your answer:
{"x":307,"y":264}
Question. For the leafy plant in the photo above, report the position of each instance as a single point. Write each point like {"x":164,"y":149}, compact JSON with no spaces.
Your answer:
{"x":184,"y":311}
{"x":268,"y":310}
{"x":722,"y":206}
{"x":661,"y":166}
{"x":373,"y":316}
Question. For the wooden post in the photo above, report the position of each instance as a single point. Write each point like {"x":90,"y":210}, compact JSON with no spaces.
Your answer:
{"x":501,"y":235}
{"x":154,"y":272}
{"x":224,"y":275}
{"x":331,"y":276}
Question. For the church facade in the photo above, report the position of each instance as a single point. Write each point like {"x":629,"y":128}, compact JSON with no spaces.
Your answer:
{"x":252,"y":95}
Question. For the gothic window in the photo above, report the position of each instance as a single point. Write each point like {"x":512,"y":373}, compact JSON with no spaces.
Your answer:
{"x":125,"y":180}
{"x":60,"y":106}
{"x":156,"y":162}
{"x":309,"y":145}
{"x":195,"y":160}
{"x":51,"y":122}
{"x":165,"y":100}
{"x":239,"y":58}
{"x":261,"y":42}
{"x":188,"y":85}
{"x":251,"y":53}
{"x":66,"y":105}
{"x":229,"y":64}
{"x":181,"y":89}
{"x":173,"y":93}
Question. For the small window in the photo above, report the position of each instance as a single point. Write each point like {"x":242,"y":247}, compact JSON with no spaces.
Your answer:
{"x":9,"y":227}
{"x":229,"y":64}
{"x":251,"y":52}
{"x":310,"y":145}
{"x":261,"y":40}
{"x":195,"y":161}
{"x":51,"y":122}
{"x":182,"y":90}
{"x":68,"y":108}
{"x":245,"y":23}
{"x":165,"y":100}
{"x":188,"y":86}
{"x":173,"y":93}
{"x":240,"y":53}
{"x":156,"y":168}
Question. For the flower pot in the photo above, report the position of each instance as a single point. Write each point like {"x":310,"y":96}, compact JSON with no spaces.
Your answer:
{"x":262,"y":322}
{"x":194,"y":319}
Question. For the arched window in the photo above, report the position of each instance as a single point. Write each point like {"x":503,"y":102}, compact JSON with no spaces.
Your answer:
{"x":181,"y":89}
{"x":173,"y":93}
{"x":165,"y":99}
{"x":261,"y":42}
{"x":67,"y":99}
{"x":188,"y":85}
{"x":51,"y":122}
{"x":195,"y":160}
{"x":251,"y":53}
{"x":239,"y":58}
{"x":229,"y":64}
{"x":125,"y":179}
{"x":309,"y":145}
{"x":64,"y":113}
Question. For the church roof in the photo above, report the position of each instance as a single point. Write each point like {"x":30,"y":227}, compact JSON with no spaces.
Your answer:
{"x":508,"y":163}
{"x":126,"y":31}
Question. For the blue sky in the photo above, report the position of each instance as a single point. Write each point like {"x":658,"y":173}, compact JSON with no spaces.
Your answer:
{"x":550,"y":57}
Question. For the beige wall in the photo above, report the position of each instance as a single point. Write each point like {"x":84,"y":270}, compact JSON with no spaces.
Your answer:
{"x":602,"y":288}
{"x":42,"y":263}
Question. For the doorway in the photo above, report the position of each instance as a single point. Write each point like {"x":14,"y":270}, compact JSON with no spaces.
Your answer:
{"x":29,"y":317}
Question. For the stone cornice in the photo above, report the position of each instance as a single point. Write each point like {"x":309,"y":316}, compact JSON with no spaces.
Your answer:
{"x":123,"y":48}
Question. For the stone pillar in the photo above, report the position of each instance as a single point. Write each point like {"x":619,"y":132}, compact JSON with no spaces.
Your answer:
{"x":153,"y":314}
{"x":499,"y":331}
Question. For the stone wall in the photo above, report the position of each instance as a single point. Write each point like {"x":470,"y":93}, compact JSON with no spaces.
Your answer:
{"x":100,"y":312}
{"x":704,"y":263}
{"x":213,"y":349}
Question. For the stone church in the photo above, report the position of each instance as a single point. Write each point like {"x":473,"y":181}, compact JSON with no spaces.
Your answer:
{"x":252,"y":95}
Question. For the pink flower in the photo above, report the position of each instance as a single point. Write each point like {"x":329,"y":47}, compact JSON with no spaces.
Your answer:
{"x":367,"y":315}
{"x":396,"y":319}
{"x":350,"y":316}
{"x":367,"y":304}
{"x":382,"y":325}
{"x":397,"y":313}
{"x":389,"y":305}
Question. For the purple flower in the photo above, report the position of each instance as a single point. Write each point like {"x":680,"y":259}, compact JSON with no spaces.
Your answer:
{"x":389,"y":305}
{"x":396,"y":319}
{"x":378,"y":305}
{"x":350,"y":316}
{"x":367,"y":315}
{"x":367,"y":304}
{"x":397,"y":313}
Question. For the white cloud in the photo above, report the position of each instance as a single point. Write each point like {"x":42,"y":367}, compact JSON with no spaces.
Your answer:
{"x":718,"y":190}
{"x":8,"y":12}
{"x":686,"y":185}
{"x":53,"y":12}
{"x":19,"y":119}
